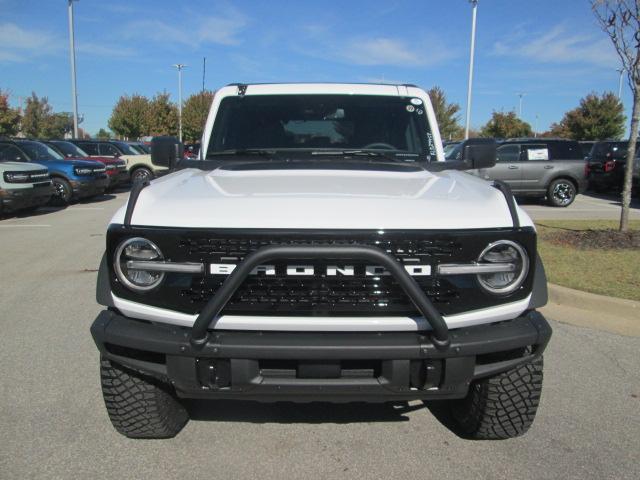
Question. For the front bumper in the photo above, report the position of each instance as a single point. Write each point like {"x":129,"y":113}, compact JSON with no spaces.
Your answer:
{"x":12,"y":200}
{"x":90,"y":187}
{"x":302,"y":366}
{"x":118,"y":177}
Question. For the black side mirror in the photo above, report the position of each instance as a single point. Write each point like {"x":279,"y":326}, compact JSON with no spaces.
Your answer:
{"x":166,"y":151}
{"x":479,"y":153}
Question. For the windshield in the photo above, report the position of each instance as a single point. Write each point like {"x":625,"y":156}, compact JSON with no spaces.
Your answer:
{"x":141,"y":147}
{"x":69,"y":149}
{"x":449,"y":149}
{"x":394,"y":126}
{"x":39,"y":151}
{"x":127,"y":149}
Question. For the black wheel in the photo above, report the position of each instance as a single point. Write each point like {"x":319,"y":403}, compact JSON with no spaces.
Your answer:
{"x":62,"y":192}
{"x":503,"y":406}
{"x":561,"y":193}
{"x":141,"y":174}
{"x":140,"y":406}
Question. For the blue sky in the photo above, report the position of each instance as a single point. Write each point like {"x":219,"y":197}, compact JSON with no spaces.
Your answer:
{"x":552,"y":51}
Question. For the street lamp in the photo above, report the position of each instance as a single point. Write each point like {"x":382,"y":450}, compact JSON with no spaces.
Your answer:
{"x":179,"y":66}
{"x":620,"y":71}
{"x":474,"y":4}
{"x":520,"y":105}
{"x":72,"y":53}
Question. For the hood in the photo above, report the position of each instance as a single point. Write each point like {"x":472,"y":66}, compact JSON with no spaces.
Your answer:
{"x":74,"y":163}
{"x":105,"y":160}
{"x":321,"y":199}
{"x":20,"y":166}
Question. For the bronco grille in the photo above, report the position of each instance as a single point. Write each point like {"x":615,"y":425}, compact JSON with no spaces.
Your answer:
{"x":320,"y":294}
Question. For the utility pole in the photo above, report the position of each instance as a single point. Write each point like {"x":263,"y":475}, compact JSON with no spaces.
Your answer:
{"x":520,"y":105}
{"x":204,"y":69}
{"x":179,"y":66}
{"x":535,"y":132}
{"x":474,"y":4}
{"x":620,"y":71}
{"x":72,"y":53}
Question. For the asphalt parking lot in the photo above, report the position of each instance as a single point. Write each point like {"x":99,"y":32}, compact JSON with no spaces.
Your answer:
{"x":54,"y":424}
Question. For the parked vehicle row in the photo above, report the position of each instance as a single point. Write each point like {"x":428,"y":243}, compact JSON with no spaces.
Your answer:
{"x":35,"y":172}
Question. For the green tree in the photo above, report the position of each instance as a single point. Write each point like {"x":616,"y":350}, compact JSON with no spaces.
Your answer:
{"x":505,"y":125}
{"x":596,"y":118}
{"x":56,"y":125}
{"x":103,"y":134}
{"x":9,"y":117}
{"x":129,"y":116}
{"x":36,"y":115}
{"x":162,"y":116}
{"x":446,"y":114}
{"x":194,"y":115}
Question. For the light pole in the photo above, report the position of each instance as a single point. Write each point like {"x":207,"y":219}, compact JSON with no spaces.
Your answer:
{"x":72,"y":53}
{"x":474,"y":4}
{"x":179,"y":66}
{"x":620,"y":71}
{"x":520,"y":105}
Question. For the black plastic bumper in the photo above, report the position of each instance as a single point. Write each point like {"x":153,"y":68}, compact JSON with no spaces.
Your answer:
{"x":20,"y":198}
{"x":309,"y":366}
{"x":90,"y":187}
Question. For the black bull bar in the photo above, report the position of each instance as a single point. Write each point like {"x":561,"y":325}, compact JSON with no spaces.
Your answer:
{"x":211,"y":311}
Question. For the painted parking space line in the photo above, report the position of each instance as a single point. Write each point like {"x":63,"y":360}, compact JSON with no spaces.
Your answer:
{"x":23,"y":225}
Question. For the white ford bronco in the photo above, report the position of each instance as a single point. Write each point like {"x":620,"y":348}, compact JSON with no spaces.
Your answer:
{"x":321,"y":249}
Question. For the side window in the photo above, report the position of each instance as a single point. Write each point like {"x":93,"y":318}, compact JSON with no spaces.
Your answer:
{"x":508,"y":154}
{"x":90,"y":148}
{"x":110,"y":150}
{"x":10,"y":153}
{"x":536,"y":152}
{"x":566,"y":151}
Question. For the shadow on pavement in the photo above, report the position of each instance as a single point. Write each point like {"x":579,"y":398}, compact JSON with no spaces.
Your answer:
{"x":288,"y":412}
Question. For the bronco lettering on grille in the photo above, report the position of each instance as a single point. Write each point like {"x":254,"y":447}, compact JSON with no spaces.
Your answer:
{"x":329,"y":270}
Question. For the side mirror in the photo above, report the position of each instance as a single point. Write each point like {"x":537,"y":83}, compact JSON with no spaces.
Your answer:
{"x":166,"y":151}
{"x":479,"y":153}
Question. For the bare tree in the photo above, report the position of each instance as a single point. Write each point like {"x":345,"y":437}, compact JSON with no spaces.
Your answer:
{"x":620,"y":19}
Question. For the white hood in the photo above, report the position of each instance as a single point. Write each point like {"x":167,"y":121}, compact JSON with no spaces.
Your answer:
{"x":321,"y":199}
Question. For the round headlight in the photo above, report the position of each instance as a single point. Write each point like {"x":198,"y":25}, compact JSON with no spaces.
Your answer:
{"x":137,"y":250}
{"x":504,"y":252}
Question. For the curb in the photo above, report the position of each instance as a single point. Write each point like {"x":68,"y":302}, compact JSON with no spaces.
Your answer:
{"x":600,"y":312}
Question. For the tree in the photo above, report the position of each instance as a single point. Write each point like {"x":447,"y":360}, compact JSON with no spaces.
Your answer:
{"x":129,"y":116}
{"x":36,"y":115}
{"x":194,"y":115}
{"x":56,"y":125}
{"x":620,"y":20}
{"x":103,"y":134}
{"x":446,"y":114}
{"x":162,"y":116}
{"x":596,"y":118}
{"x":9,"y":117}
{"x":505,"y":125}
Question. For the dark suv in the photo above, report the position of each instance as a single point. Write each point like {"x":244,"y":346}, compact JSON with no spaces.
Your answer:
{"x":607,"y":161}
{"x":540,"y":167}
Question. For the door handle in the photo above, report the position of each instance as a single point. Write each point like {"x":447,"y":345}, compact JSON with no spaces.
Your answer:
{"x":513,"y":167}
{"x":548,"y":167}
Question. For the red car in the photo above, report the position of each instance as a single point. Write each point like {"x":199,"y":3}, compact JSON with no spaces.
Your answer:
{"x":116,"y":168}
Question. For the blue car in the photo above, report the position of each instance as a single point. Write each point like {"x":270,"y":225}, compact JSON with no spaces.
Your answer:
{"x":71,"y":179}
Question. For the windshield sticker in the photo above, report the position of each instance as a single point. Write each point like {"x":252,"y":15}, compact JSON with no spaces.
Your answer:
{"x":420,"y":111}
{"x":416,"y":101}
{"x":410,"y":108}
{"x":432,"y":146}
{"x":538,"y":154}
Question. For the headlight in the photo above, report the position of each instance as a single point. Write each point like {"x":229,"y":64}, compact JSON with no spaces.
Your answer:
{"x":83,"y":171}
{"x":504,"y":251}
{"x":16,"y":177}
{"x":136,"y":249}
{"x":112,"y":167}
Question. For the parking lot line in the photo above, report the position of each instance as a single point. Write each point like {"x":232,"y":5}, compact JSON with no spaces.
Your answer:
{"x":22,"y":225}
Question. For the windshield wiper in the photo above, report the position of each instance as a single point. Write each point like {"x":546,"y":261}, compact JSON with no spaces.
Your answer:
{"x":364,"y":153}
{"x":260,"y":152}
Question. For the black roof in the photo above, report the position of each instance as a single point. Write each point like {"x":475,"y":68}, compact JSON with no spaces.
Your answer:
{"x":537,"y":139}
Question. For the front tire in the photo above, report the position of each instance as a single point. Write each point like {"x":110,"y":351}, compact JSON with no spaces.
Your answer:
{"x":62,"y":192}
{"x":140,"y":406}
{"x":503,"y":406}
{"x":141,"y":174}
{"x":561,"y":193}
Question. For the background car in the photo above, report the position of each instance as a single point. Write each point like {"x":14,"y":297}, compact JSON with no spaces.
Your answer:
{"x":116,"y":167}
{"x":23,"y":186}
{"x":607,"y":161}
{"x":540,"y":167}
{"x":586,"y":145}
{"x":71,"y":179}
{"x":449,"y":149}
{"x":142,"y":147}
{"x":139,"y":166}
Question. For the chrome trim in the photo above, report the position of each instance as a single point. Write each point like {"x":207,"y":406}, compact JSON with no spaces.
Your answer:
{"x":474,"y":268}
{"x":160,"y":266}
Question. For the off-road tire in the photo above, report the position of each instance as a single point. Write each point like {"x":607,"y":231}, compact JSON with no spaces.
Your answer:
{"x":561,"y":193}
{"x":63,"y":194}
{"x":503,"y":406}
{"x":140,"y":406}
